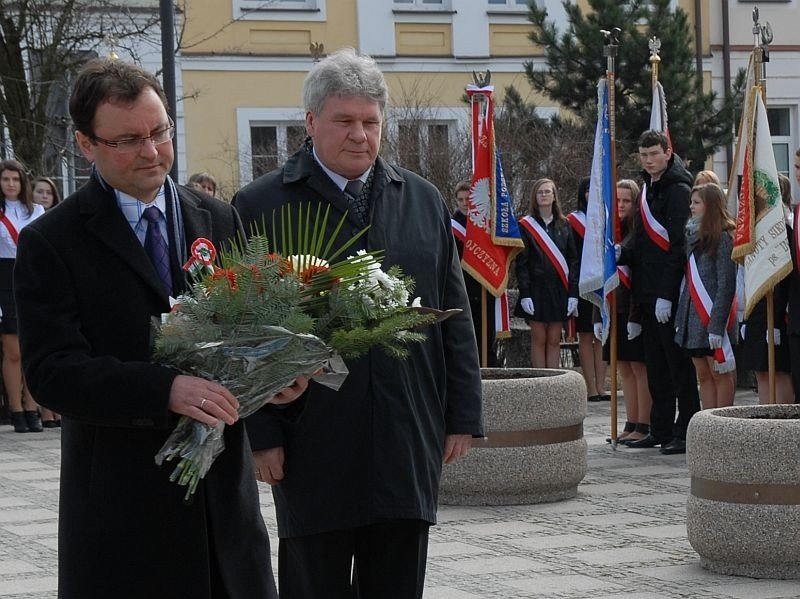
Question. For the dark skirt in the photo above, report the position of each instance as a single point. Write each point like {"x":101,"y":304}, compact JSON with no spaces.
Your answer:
{"x":583,"y":323}
{"x":627,"y":350}
{"x":8,"y":324}
{"x":752,"y":353}
{"x":549,"y":305}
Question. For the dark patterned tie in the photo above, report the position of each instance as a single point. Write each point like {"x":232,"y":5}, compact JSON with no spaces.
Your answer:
{"x":156,"y":247}
{"x":356,"y":199}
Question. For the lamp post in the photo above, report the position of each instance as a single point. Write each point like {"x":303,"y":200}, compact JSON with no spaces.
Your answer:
{"x":168,"y":71}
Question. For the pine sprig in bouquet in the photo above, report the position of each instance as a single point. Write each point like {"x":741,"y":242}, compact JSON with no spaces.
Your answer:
{"x":255,"y":319}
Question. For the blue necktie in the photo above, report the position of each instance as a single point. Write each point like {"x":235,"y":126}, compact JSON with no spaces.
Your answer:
{"x":156,"y":247}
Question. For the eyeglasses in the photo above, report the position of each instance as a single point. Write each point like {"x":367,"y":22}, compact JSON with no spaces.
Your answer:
{"x":544,"y":192}
{"x":132,"y":146}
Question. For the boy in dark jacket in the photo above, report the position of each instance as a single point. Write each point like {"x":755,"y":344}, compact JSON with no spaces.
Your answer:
{"x":657,"y":258}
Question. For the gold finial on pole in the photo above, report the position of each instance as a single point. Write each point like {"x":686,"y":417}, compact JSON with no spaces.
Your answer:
{"x":111,"y":42}
{"x":655,"y":45}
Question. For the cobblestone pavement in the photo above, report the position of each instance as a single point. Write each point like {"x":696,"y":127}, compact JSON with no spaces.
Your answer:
{"x":623,"y":536}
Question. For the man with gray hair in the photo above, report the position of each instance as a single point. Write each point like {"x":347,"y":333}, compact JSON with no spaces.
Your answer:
{"x":356,"y":479}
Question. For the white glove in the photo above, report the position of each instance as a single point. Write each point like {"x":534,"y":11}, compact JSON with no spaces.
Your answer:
{"x":598,"y":331}
{"x":741,"y":330}
{"x":527,"y":305}
{"x":634,"y":330}
{"x":714,"y":341}
{"x":663,"y":310}
{"x":572,"y":306}
{"x":777,"y":334}
{"x":617,"y":251}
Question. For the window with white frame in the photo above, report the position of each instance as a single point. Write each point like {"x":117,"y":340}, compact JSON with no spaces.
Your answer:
{"x":509,"y":3}
{"x":272,"y":144}
{"x":275,"y":5}
{"x":423,"y":147}
{"x":423,"y":4}
{"x":781,"y":131}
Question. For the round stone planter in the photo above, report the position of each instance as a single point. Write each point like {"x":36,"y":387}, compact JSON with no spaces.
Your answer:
{"x":743,"y":512}
{"x":534,"y":450}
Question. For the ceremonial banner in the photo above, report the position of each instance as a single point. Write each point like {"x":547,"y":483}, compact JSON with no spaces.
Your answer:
{"x":502,"y":323}
{"x":599,"y":275}
{"x":760,"y":240}
{"x":658,"y":111}
{"x":492,"y":235}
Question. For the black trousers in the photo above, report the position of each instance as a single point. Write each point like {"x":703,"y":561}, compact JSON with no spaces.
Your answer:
{"x":670,"y":374}
{"x":794,"y":364}
{"x":380,"y":561}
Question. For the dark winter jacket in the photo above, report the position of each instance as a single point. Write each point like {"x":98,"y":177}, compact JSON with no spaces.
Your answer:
{"x":658,"y":273}
{"x":534,"y":268}
{"x":373,"y":450}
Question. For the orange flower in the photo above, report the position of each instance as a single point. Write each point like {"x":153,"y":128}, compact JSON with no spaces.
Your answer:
{"x":225,"y":274}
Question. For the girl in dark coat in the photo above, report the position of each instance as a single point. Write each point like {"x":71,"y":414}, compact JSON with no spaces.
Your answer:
{"x":547,"y":273}
{"x":709,"y":245}
{"x":630,"y":348}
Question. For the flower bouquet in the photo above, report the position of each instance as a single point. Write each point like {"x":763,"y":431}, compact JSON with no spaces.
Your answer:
{"x":255,"y":319}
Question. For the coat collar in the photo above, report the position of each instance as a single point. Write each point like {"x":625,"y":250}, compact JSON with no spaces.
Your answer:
{"x":104,"y":220}
{"x":302,"y":167}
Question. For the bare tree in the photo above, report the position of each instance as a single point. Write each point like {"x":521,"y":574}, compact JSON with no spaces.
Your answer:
{"x":42,"y":43}
{"x":423,"y":139}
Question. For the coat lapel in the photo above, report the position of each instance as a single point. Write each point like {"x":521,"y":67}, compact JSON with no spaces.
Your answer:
{"x":196,"y":220}
{"x":105,"y":221}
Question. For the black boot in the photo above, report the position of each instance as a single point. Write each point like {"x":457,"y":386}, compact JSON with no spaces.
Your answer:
{"x":34,"y":421}
{"x":19,"y":422}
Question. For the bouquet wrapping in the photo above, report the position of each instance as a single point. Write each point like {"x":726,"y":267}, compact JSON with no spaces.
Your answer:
{"x":255,"y":320}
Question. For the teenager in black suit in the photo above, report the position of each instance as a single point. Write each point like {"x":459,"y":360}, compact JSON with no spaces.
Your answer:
{"x":87,"y":292}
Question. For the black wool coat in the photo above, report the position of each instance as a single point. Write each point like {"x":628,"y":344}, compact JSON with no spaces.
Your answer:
{"x":373,"y":450}
{"x":86,"y":292}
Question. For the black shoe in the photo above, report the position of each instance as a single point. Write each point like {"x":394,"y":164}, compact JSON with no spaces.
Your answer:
{"x":34,"y":421}
{"x":19,"y":422}
{"x":595,"y":398}
{"x":674,"y":447}
{"x":49,"y":423}
{"x":646,"y":443}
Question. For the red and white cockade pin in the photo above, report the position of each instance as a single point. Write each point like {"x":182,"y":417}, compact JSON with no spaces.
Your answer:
{"x":203,"y":255}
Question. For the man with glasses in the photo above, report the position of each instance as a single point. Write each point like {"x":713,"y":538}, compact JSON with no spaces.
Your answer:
{"x":90,"y":277}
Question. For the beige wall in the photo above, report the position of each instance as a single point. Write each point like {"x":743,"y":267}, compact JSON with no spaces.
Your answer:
{"x":210,"y":29}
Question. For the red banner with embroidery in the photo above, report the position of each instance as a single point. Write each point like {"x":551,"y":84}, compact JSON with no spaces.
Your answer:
{"x":578,"y":222}
{"x":654,"y":229}
{"x":492,"y":239}
{"x":502,"y":324}
{"x":723,"y":356}
{"x":548,"y":246}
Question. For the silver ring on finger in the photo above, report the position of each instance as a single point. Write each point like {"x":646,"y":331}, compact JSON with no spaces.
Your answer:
{"x":202,"y":403}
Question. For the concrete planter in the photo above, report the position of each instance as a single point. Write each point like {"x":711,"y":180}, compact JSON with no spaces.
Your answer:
{"x":743,"y":512}
{"x":534,"y":451}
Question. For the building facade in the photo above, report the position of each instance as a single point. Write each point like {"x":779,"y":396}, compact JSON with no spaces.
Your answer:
{"x":243,"y":62}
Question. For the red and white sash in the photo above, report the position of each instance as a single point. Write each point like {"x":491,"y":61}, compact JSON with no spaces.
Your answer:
{"x":578,"y":222}
{"x":723,"y":356}
{"x":624,"y":275}
{"x":502,"y":324}
{"x":548,"y":246}
{"x":459,"y":230}
{"x":12,"y":230}
{"x":655,"y":230}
